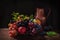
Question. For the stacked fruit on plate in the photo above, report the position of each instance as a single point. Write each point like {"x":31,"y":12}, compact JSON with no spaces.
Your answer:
{"x":22,"y":24}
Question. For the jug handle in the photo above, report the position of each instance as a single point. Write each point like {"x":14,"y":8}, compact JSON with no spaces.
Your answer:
{"x":48,"y":13}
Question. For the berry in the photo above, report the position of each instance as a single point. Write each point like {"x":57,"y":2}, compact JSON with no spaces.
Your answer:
{"x":33,"y":31}
{"x":38,"y":27}
{"x":26,"y":23}
{"x":30,"y":25}
{"x":19,"y":24}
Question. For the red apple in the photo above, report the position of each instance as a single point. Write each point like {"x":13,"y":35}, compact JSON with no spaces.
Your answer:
{"x":12,"y":33}
{"x":10,"y":28}
{"x":10,"y":25}
{"x":22,"y":30}
{"x":14,"y":26}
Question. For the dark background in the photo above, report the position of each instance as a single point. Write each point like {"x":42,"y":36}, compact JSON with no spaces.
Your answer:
{"x":28,"y":7}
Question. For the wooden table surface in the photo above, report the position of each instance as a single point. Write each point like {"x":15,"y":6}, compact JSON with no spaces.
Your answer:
{"x":4,"y":36}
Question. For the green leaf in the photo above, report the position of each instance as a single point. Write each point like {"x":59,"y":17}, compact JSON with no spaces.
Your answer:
{"x":15,"y":16}
{"x":51,"y":33}
{"x":31,"y":17}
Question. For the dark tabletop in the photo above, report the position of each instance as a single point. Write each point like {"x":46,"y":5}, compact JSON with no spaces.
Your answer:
{"x":4,"y":36}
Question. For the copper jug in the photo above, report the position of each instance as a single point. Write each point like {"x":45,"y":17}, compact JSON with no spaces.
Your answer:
{"x":40,"y":14}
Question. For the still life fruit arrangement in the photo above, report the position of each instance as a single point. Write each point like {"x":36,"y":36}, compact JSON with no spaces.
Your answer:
{"x":26,"y":25}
